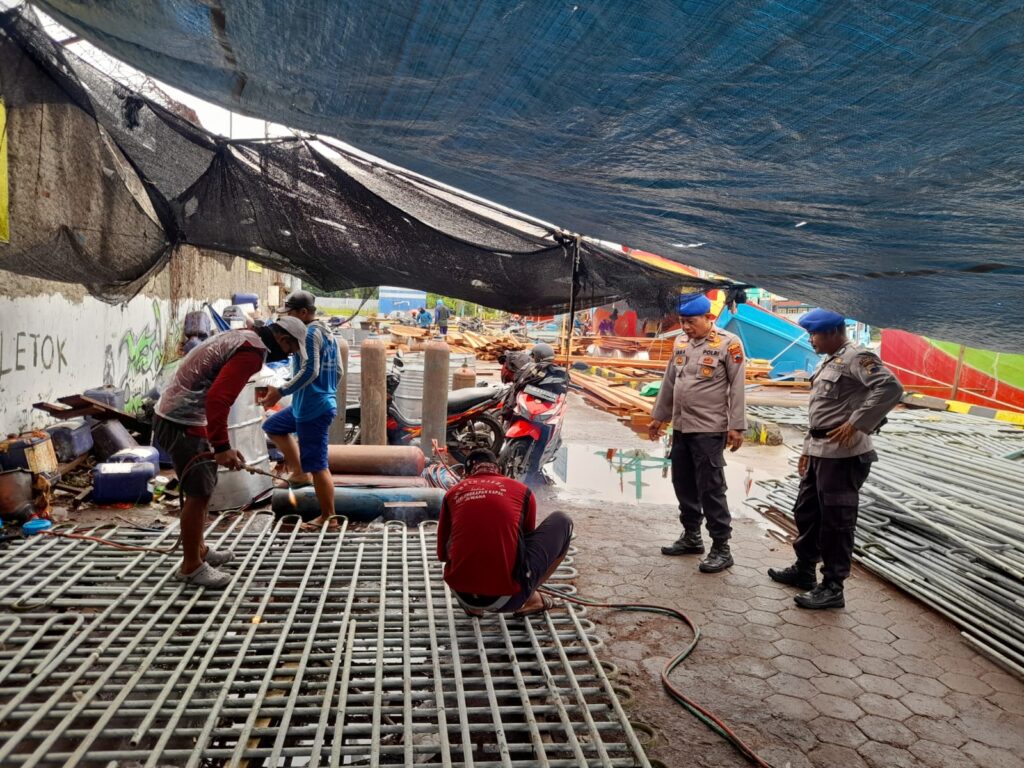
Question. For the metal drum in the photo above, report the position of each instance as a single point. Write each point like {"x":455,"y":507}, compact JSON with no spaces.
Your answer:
{"x":355,"y":378}
{"x":245,"y":428}
{"x":409,"y":396}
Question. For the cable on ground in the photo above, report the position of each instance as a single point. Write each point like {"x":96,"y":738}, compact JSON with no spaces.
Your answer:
{"x":705,"y":716}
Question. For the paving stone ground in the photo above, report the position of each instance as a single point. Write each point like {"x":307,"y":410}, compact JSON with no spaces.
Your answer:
{"x":885,"y":682}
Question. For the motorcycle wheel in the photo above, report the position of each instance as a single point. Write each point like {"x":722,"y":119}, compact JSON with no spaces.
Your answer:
{"x":515,"y":459}
{"x":483,"y":431}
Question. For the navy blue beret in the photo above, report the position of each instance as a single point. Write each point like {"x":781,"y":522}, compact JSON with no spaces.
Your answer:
{"x":692,"y":306}
{"x":821,"y":321}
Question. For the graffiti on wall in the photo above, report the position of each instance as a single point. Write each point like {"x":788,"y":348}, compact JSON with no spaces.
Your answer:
{"x":140,"y":356}
{"x":32,"y":352}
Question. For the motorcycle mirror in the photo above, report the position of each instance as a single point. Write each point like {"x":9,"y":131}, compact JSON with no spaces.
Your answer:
{"x":397,"y":362}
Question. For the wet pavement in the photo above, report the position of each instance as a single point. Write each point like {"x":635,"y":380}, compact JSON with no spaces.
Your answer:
{"x":885,"y":682}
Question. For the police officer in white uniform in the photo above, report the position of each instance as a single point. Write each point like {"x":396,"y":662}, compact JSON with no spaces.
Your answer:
{"x":851,"y":392}
{"x":702,"y":395}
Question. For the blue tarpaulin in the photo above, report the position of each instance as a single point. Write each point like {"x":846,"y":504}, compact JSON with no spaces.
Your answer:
{"x":862,"y":155}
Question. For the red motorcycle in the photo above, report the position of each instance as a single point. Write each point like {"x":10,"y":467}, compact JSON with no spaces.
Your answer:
{"x":472,"y":422}
{"x":533,"y":431}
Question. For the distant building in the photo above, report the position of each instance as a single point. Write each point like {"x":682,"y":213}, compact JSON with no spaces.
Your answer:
{"x":790,"y":309}
{"x":404,"y":299}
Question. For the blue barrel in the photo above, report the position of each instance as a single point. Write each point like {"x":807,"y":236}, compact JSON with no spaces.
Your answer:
{"x":246,"y":298}
{"x":122,"y":483}
{"x":198,"y":323}
{"x":32,"y":451}
{"x":109,"y":437}
{"x":137,"y":455}
{"x":108,"y":395}
{"x":71,"y":439}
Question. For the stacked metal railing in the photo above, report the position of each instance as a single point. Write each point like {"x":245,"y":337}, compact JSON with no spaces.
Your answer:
{"x":326,"y":649}
{"x":941,"y":516}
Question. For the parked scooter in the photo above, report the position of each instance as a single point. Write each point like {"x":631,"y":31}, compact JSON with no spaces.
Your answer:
{"x":533,"y":416}
{"x":472,"y":420}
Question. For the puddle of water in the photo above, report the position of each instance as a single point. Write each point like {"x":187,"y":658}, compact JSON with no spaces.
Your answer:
{"x":634,"y":476}
{"x":590,"y":473}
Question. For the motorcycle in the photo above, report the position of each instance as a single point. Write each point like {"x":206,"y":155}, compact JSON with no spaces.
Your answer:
{"x":471,"y":420}
{"x":533,"y":431}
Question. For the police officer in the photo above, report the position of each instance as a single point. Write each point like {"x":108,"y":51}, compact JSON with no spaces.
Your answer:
{"x":851,"y":392}
{"x":702,"y":395}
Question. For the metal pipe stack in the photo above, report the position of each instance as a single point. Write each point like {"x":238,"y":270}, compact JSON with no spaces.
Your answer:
{"x":941,"y":517}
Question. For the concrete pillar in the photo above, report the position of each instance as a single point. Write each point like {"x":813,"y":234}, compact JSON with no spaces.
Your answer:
{"x":435,"y":395}
{"x":374,"y":394}
{"x":336,"y":436}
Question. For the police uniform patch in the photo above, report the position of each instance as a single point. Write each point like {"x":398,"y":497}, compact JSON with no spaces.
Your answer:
{"x":714,"y":341}
{"x":679,"y":361}
{"x":707,"y":371}
{"x":870,"y":363}
{"x":708,"y":360}
{"x":737,"y":352}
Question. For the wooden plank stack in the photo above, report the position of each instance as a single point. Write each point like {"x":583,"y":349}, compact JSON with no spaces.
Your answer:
{"x":616,"y":398}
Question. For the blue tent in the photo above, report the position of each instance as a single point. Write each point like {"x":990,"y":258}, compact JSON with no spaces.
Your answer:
{"x":865,"y":156}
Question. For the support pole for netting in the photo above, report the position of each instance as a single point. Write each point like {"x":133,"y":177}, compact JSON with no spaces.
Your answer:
{"x":575,"y":273}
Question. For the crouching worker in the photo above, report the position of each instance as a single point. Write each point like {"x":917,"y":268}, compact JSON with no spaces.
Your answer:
{"x":495,"y":554}
{"x":192,"y":420}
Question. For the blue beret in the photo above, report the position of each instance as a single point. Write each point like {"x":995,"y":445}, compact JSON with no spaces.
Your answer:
{"x":821,"y":320}
{"x":692,"y":306}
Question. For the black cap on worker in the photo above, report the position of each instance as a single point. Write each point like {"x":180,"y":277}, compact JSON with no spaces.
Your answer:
{"x":300,"y":300}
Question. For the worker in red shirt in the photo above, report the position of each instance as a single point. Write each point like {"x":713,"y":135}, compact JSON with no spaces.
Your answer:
{"x":495,"y":554}
{"x":192,"y":419}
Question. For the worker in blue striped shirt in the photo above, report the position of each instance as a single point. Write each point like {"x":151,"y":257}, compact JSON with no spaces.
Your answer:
{"x":313,"y":387}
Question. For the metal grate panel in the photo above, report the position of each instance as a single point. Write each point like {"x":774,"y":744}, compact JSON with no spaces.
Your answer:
{"x":327,"y":649}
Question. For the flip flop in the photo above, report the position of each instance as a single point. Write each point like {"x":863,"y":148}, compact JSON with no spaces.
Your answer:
{"x":313,"y":526}
{"x":547,"y":604}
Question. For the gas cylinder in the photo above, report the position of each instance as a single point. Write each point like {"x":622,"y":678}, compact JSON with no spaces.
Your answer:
{"x":435,"y":395}
{"x":464,"y":378}
{"x":373,"y":392}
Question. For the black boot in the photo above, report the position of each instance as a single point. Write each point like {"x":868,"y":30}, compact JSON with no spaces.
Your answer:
{"x":690,"y":543}
{"x":828,"y":594}
{"x":799,"y":574}
{"x":718,"y":559}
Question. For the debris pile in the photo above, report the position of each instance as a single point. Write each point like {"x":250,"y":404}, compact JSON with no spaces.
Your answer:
{"x":940,"y":517}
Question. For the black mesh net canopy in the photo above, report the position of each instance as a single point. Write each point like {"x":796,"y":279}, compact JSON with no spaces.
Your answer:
{"x":300,"y":205}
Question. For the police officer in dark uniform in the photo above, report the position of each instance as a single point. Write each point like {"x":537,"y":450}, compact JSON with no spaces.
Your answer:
{"x":851,"y":392}
{"x":702,"y":395}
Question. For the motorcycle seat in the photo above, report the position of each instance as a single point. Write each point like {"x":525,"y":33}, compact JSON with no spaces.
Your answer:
{"x":464,"y":399}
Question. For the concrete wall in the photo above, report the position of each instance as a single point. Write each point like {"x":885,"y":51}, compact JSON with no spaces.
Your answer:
{"x":56,"y":340}
{"x":79,"y":213}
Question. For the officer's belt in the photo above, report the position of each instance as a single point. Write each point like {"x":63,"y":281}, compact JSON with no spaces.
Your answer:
{"x":820,"y":433}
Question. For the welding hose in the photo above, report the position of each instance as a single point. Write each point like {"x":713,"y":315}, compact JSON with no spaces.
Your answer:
{"x":206,"y":457}
{"x":708,"y":718}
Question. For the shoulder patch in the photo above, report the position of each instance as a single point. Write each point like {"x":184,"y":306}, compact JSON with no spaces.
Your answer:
{"x":869,"y":361}
{"x":736,"y":352}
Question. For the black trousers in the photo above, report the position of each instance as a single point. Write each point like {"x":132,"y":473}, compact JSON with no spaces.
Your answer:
{"x":698,"y":477}
{"x":826,"y":512}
